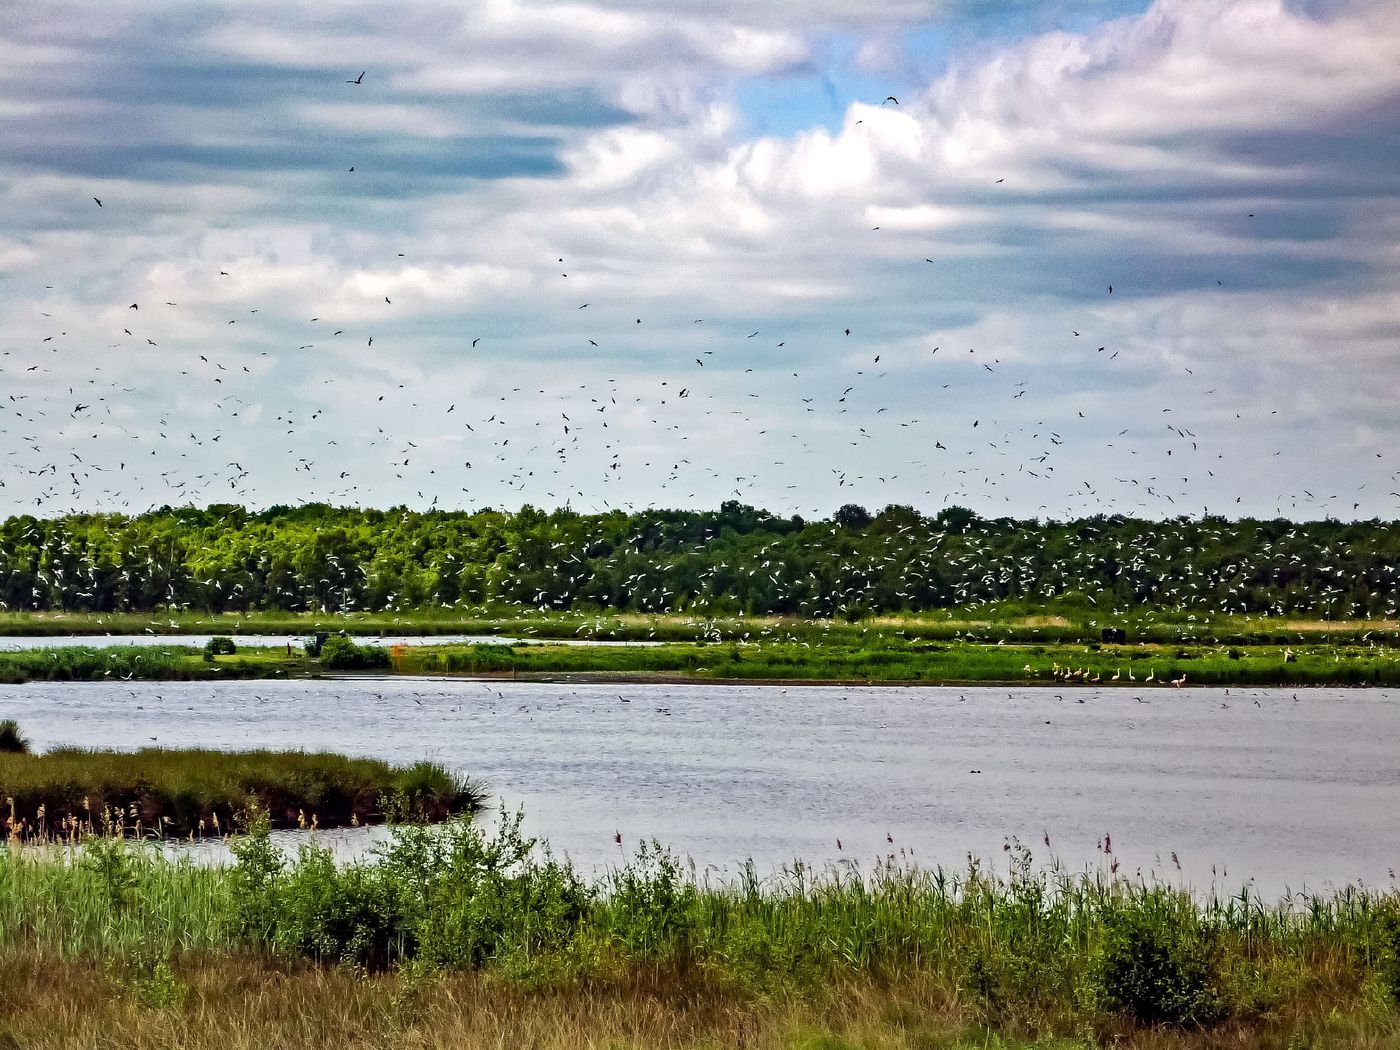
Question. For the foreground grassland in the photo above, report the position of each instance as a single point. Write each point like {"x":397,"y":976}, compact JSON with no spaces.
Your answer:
{"x":455,"y":937}
{"x":72,"y":793}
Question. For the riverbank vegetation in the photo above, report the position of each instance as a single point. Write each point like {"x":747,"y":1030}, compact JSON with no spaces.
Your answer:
{"x":174,"y":663}
{"x":1060,"y":622}
{"x":456,"y":936}
{"x":74,"y":793}
{"x":902,"y":660}
{"x":736,"y":560}
{"x":869,"y":655}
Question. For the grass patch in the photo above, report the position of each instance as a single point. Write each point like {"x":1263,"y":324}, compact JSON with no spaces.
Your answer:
{"x":73,"y":793}
{"x":946,"y":654}
{"x":649,"y":955}
{"x":891,"y":658}
{"x":158,"y":663}
{"x":1058,"y":621}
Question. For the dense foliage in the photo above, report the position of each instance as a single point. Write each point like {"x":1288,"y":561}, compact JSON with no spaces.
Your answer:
{"x":737,"y":559}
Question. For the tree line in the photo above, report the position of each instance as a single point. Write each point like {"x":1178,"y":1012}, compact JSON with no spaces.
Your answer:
{"x":738,"y":559}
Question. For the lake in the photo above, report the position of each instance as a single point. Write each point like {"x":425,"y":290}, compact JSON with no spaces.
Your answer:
{"x":1292,"y":789}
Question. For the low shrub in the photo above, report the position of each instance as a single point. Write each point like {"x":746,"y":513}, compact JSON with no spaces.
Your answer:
{"x":12,"y":742}
{"x":451,"y":898}
{"x":1388,"y":961}
{"x":339,"y":653}
{"x":219,"y":645}
{"x":1157,"y":964}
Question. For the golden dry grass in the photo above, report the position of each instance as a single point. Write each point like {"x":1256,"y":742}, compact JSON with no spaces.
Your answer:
{"x":250,"y":1003}
{"x":1335,"y":625}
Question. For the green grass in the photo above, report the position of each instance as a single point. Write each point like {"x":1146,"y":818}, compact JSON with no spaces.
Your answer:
{"x":71,"y":792}
{"x":1027,"y":954}
{"x":840,"y":653}
{"x":1059,"y":621}
{"x":890,"y":658}
{"x":163,"y":663}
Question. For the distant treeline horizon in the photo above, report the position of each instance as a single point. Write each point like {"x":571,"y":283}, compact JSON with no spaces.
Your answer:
{"x":737,"y":559}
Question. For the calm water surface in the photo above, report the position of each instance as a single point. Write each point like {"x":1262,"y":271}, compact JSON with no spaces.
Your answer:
{"x":1289,"y":789}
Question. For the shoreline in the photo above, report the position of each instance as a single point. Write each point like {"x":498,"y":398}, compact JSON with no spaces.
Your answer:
{"x":303,"y":670}
{"x":651,"y":678}
{"x":875,"y":658}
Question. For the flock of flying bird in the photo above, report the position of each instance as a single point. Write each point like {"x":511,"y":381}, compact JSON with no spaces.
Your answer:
{"x":81,"y":439}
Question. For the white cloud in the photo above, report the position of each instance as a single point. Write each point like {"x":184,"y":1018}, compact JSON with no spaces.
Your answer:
{"x":406,"y":120}
{"x":1131,"y":154}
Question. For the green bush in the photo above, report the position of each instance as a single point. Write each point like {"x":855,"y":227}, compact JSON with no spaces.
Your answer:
{"x":449,"y":897}
{"x":219,"y":645}
{"x":11,"y":740}
{"x":481,"y":899}
{"x":352,"y":915}
{"x":314,"y":908}
{"x":339,"y":653}
{"x":253,"y":878}
{"x":1388,"y":959}
{"x":651,"y":905}
{"x":155,"y":985}
{"x":1157,"y":964}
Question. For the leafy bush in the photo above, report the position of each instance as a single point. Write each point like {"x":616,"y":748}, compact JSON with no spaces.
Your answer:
{"x":479,"y":899}
{"x":449,"y":897}
{"x":1157,"y":965}
{"x":352,"y":915}
{"x":258,"y":865}
{"x":651,"y":905}
{"x":1388,"y":959}
{"x":313,"y":908}
{"x":116,"y":868}
{"x":156,"y":986}
{"x":11,"y":740}
{"x":339,"y":653}
{"x":219,"y":645}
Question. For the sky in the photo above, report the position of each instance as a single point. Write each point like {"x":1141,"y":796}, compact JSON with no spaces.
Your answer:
{"x":1040,"y":259}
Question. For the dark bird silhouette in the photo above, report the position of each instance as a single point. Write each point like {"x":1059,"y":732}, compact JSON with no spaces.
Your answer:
{"x":890,"y":98}
{"x":359,"y":79}
{"x":99,"y":203}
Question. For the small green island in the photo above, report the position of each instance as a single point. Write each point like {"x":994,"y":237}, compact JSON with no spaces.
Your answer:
{"x":1063,"y":646}
{"x":72,"y":794}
